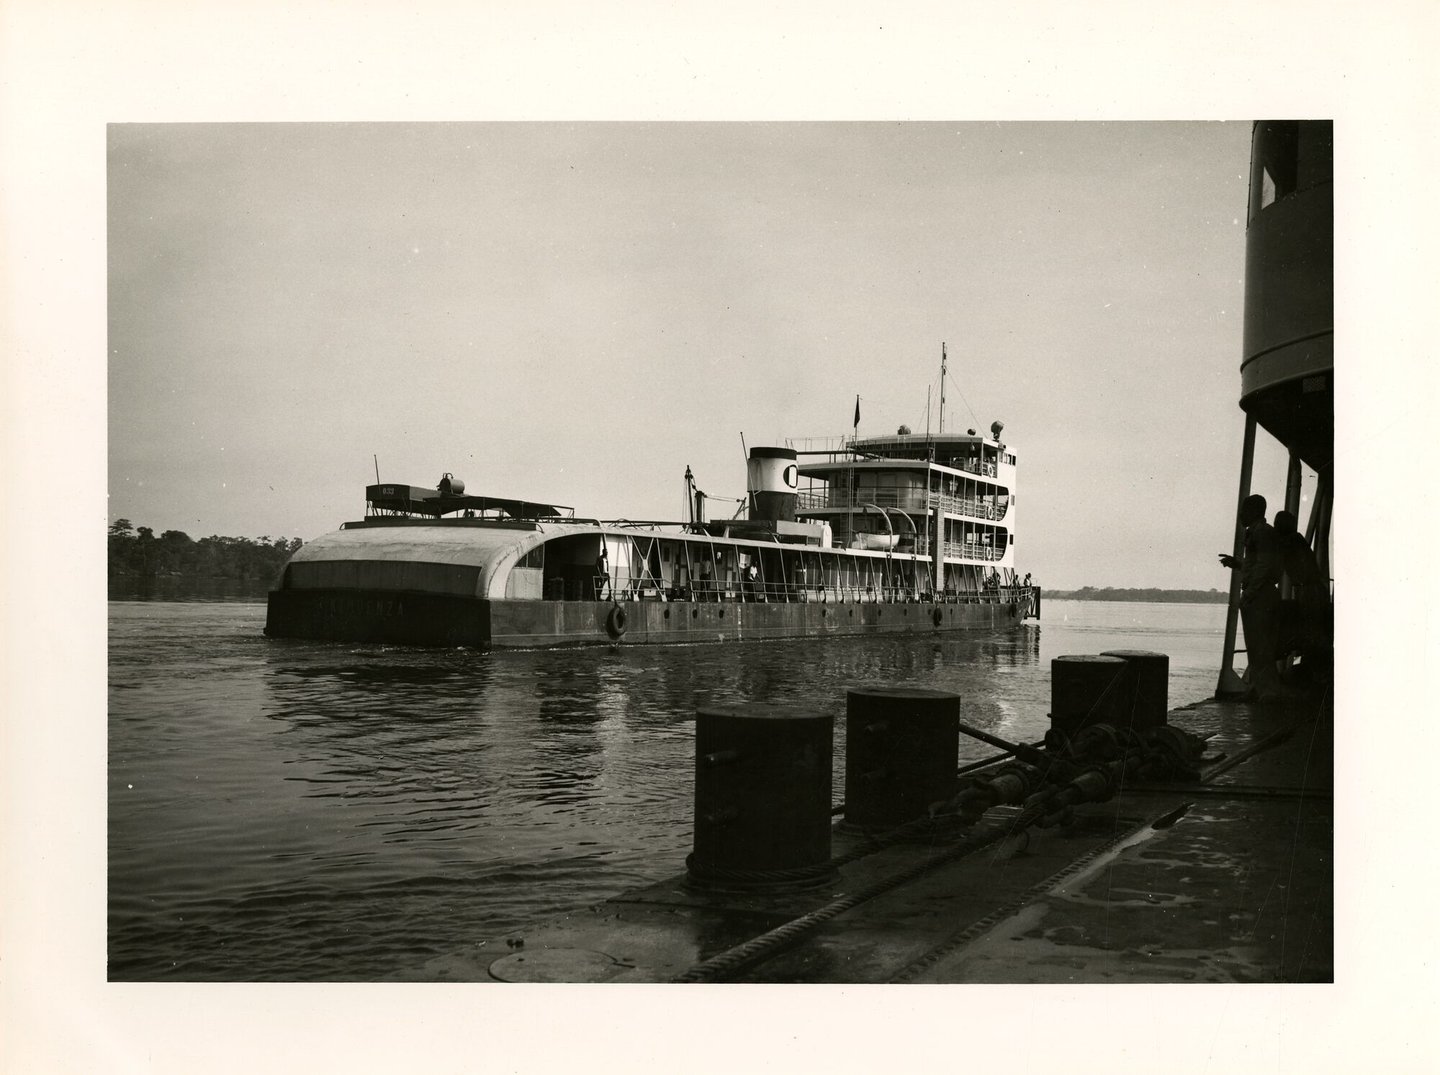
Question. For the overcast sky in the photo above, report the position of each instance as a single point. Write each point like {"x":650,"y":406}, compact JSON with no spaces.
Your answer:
{"x":576,"y":312}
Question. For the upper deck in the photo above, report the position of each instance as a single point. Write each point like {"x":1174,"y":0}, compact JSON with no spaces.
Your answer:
{"x":967,"y":453}
{"x":959,"y":474}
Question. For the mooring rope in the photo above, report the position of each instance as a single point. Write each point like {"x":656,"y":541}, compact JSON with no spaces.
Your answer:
{"x":1045,"y":807}
{"x":758,"y":949}
{"x":983,"y":925}
{"x":871,"y":843}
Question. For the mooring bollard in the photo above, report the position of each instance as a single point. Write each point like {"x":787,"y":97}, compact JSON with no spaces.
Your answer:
{"x":762,"y":798}
{"x":1146,"y":687}
{"x":1087,"y":689}
{"x":902,"y":750}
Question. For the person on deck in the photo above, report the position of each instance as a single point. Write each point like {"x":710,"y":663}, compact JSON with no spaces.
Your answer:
{"x":602,"y":573}
{"x":1260,"y":569}
{"x":1299,"y":560}
{"x":1307,"y":628}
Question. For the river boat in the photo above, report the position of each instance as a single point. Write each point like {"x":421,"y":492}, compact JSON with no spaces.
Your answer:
{"x":907,"y":533}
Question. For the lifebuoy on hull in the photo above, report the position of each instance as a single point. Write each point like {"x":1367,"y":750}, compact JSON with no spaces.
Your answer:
{"x":617,"y":622}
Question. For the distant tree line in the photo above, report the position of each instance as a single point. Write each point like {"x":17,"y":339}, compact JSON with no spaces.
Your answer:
{"x":135,"y":552}
{"x":1109,"y":593}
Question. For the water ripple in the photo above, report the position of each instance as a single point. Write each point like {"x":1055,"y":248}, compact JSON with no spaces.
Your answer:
{"x":290,"y":811}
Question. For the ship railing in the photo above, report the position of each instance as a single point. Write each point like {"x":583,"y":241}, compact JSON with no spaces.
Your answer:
{"x":973,"y":466}
{"x":797,"y":592}
{"x":730,"y":591}
{"x":1005,"y":595}
{"x":880,"y":498}
{"x":969,"y":551}
{"x":603,"y":586}
{"x":819,"y":445}
{"x":806,"y":499}
{"x":965,"y":505}
{"x":809,"y":500}
{"x":740,"y":590}
{"x":800,"y":591}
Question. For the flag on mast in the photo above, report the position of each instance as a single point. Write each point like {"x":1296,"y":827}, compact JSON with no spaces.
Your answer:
{"x":857,"y":412}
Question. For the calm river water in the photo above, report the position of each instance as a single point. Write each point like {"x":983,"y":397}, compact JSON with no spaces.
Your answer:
{"x":297,"y":811}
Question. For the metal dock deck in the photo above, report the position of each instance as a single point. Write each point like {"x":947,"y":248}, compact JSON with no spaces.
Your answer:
{"x":1225,"y":880}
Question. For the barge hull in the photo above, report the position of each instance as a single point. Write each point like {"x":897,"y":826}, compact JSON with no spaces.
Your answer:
{"x":421,"y":619}
{"x":405,"y":618}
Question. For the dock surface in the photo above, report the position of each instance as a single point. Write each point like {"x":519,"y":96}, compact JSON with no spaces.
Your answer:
{"x":1229,"y":879}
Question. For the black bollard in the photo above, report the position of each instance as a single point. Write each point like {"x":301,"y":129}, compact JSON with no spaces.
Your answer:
{"x":762,"y":798}
{"x":902,"y":750}
{"x":1146,"y":687}
{"x":1087,"y":689}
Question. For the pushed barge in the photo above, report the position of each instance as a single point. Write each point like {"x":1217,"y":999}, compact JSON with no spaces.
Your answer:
{"x":902,"y":533}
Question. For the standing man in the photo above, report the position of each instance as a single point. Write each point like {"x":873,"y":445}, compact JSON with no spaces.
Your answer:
{"x":707,"y":573}
{"x":1310,"y":633}
{"x":602,"y":571}
{"x":1260,"y":570}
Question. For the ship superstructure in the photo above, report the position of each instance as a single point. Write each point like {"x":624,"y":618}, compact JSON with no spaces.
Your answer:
{"x":855,"y":535}
{"x":946,"y":502}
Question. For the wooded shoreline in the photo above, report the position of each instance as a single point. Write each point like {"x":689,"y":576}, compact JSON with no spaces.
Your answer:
{"x":1108,"y":593}
{"x":136,"y":553}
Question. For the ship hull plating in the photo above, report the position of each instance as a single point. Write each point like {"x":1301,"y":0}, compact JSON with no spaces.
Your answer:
{"x":443,"y":620}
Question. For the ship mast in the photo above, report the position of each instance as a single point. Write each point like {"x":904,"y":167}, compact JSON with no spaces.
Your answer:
{"x":942,"y":386}
{"x":937,"y":550}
